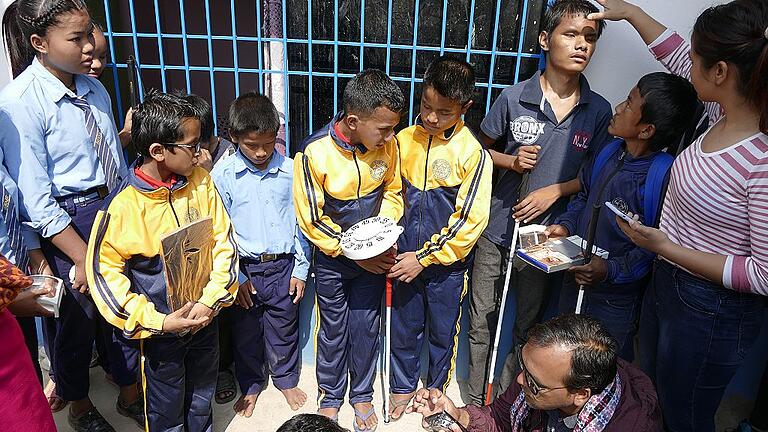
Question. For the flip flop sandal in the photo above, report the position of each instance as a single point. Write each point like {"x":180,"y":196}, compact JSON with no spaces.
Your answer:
{"x":225,"y":388}
{"x":393,"y":405}
{"x":335,"y":417}
{"x":363,"y":417}
{"x":55,"y":402}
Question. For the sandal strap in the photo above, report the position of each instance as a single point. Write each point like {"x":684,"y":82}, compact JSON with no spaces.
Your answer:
{"x":364,"y":416}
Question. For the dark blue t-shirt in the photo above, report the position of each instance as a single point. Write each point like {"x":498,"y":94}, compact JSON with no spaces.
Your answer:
{"x":522,"y":116}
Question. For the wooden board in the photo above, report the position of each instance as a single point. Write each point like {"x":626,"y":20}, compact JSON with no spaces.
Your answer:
{"x":188,"y":261}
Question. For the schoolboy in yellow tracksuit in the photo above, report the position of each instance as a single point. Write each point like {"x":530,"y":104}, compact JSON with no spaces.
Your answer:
{"x":346,"y":172}
{"x":164,"y":191}
{"x":447,"y":189}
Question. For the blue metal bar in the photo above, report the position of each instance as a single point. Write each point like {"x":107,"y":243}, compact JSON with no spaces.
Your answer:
{"x":135,"y":42}
{"x":413,"y":60}
{"x":442,"y":32}
{"x":471,"y":29}
{"x":389,"y":36}
{"x":523,"y":22}
{"x":330,"y":42}
{"x":234,"y":48}
{"x":260,"y":44}
{"x":111,"y":40}
{"x":362,"y":33}
{"x":160,"y":47}
{"x":309,"y":64}
{"x":185,"y":49}
{"x":336,"y":56}
{"x":210,"y":62}
{"x":492,"y":68}
{"x":286,"y":85}
{"x":289,"y":73}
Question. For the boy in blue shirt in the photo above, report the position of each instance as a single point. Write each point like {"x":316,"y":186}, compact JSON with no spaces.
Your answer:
{"x":255,"y":185}
{"x":654,"y":116}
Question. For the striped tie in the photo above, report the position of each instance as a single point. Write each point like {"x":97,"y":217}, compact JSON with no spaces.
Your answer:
{"x":99,"y":144}
{"x":14,"y":229}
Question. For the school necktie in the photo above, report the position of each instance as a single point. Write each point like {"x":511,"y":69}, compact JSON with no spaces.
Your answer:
{"x":108,"y":162}
{"x":13,"y":225}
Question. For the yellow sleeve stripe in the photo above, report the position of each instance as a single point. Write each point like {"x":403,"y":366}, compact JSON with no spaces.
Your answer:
{"x":313,"y":207}
{"x":454,"y":229}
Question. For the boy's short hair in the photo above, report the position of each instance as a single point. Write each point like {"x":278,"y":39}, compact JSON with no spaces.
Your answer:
{"x":310,"y":422}
{"x":669,"y":104}
{"x":204,"y":113}
{"x":252,"y":112}
{"x":371,"y":89}
{"x":566,"y":8}
{"x":452,"y":78}
{"x":158,"y":120}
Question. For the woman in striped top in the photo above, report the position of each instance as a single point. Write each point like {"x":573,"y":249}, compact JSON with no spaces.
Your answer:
{"x":704,"y":308}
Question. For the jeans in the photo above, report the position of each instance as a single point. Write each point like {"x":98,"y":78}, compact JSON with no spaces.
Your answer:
{"x":694,"y":335}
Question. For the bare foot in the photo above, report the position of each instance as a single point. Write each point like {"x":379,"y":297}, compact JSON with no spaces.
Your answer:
{"x":245,"y":405}
{"x":295,"y":397}
{"x":361,"y":411}
{"x":54,"y":400}
{"x":397,"y":405}
{"x":330,"y":412}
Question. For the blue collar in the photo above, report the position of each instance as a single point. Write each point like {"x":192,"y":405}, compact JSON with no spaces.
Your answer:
{"x":447,"y":134}
{"x":276,"y":163}
{"x":56,"y":89}
{"x":340,"y":142}
{"x":143,"y":186}
{"x":532,"y":92}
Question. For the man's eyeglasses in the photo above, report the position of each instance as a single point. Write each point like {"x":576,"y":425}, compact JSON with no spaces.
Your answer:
{"x":535,"y":387}
{"x":194,"y":147}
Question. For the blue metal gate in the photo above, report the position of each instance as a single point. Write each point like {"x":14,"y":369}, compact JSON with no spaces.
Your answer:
{"x":302,"y":52}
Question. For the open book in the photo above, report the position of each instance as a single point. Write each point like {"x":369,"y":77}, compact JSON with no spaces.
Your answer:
{"x":558,"y":254}
{"x":188,"y":261}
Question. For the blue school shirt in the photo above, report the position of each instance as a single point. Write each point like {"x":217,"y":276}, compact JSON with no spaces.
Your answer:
{"x":48,"y":151}
{"x":260,"y":205}
{"x":29,"y":237}
{"x":520,"y":116}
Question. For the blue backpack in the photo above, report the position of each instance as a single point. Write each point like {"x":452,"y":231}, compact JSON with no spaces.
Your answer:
{"x":654,"y":182}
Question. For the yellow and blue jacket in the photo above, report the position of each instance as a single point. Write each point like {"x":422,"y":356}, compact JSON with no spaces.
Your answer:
{"x":336,"y":185}
{"x":124,"y":264}
{"x":447,"y":192}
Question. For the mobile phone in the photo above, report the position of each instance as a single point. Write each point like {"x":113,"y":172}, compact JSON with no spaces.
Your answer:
{"x":618,"y":212}
{"x":442,"y":421}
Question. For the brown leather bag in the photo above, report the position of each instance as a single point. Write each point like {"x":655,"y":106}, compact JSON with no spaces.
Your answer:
{"x":12,"y":280}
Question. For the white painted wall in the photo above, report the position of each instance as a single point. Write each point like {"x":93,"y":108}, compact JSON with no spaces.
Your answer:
{"x":622,"y":58}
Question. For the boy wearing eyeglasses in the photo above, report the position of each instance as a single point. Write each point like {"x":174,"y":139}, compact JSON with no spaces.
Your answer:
{"x":164,"y":191}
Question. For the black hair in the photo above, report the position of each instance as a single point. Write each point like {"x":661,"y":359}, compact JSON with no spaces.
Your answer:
{"x":593,"y":349}
{"x":252,"y":112}
{"x":158,"y":120}
{"x":669,"y":104}
{"x":567,"y":8}
{"x":310,"y":423}
{"x":23,"y":18}
{"x":371,"y":89}
{"x":452,"y":78}
{"x":737,"y":33}
{"x":204,"y":113}
{"x":97,"y":26}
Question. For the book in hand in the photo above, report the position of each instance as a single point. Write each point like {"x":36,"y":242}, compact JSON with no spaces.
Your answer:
{"x":55,"y":287}
{"x":558,"y":254}
{"x":188,"y":261}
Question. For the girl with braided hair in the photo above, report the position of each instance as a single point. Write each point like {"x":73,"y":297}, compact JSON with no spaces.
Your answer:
{"x":60,"y":146}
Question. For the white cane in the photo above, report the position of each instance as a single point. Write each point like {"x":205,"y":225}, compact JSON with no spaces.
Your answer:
{"x":507,"y":277}
{"x":387,"y":347}
{"x":588,"y":251}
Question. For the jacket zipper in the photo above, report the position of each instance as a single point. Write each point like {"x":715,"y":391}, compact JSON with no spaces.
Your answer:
{"x":423,"y":192}
{"x":170,"y":203}
{"x":359,"y":184}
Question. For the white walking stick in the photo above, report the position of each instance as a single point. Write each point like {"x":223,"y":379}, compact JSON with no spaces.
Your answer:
{"x":503,"y":303}
{"x":588,"y":251}
{"x":387,"y":347}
